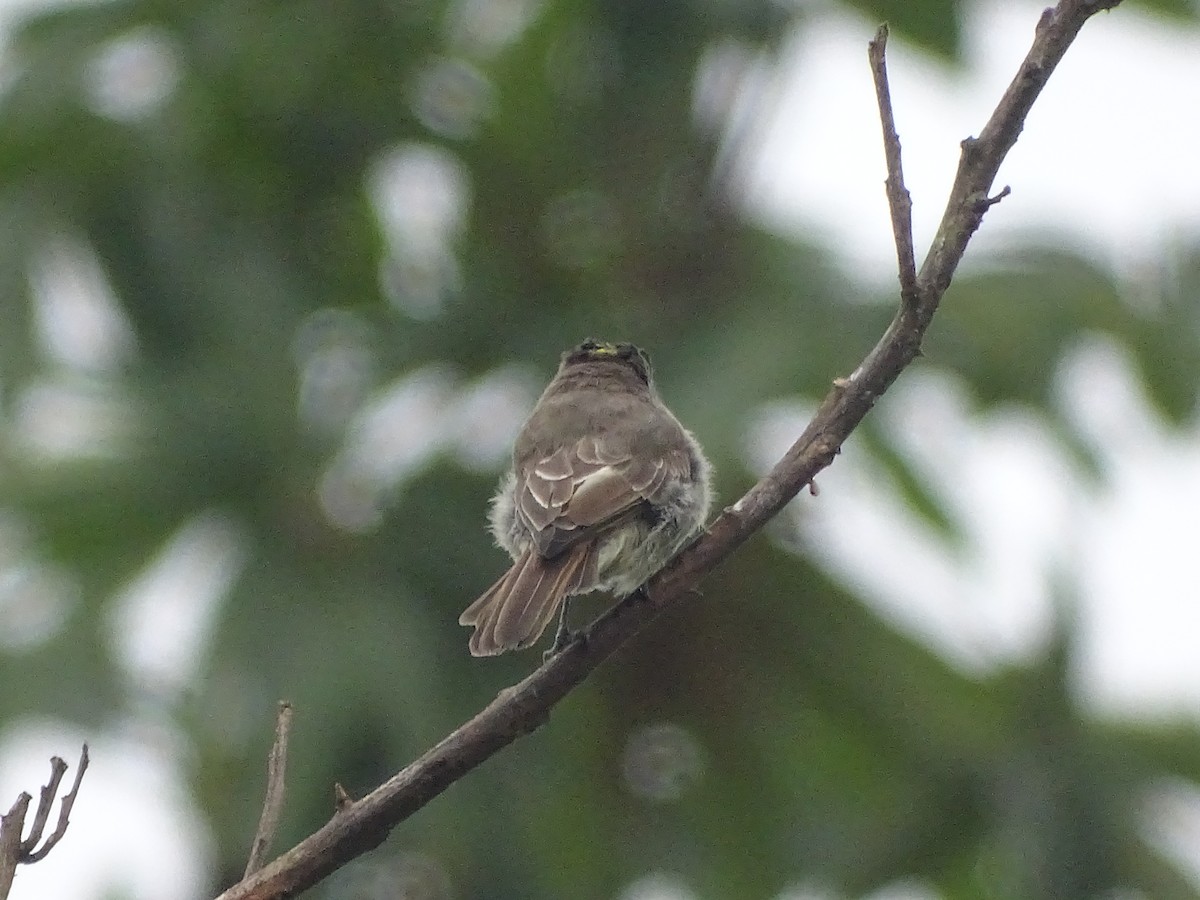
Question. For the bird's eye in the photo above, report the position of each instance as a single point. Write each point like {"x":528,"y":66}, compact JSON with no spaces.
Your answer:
{"x":637,"y":359}
{"x":590,"y":344}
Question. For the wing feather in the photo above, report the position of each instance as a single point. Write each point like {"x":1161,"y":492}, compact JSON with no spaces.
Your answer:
{"x":582,"y":490}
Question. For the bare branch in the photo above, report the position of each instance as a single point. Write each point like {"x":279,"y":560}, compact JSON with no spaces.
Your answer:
{"x":359,"y":826}
{"x":64,"y":810}
{"x":981,"y":156}
{"x":899,"y":200}
{"x":46,"y":796}
{"x":11,"y":825}
{"x":268,"y":822}
{"x":13,"y":850}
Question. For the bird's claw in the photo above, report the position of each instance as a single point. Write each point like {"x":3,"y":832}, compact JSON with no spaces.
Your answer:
{"x":563,"y":638}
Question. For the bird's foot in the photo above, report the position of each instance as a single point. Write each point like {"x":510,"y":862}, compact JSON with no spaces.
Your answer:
{"x":563,"y":636}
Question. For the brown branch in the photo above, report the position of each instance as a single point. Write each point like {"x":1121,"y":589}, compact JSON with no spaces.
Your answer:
{"x":268,"y":822}
{"x":899,"y":200}
{"x":13,"y":850}
{"x":363,"y":824}
{"x":10,"y":842}
{"x":46,"y":796}
{"x":64,"y":810}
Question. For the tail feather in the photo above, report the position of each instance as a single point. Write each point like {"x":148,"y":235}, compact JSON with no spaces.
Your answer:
{"x":483,"y":639}
{"x":535,"y":588}
{"x":514,"y":611}
{"x":576,"y":578}
{"x":478,"y":610}
{"x":484,"y":612}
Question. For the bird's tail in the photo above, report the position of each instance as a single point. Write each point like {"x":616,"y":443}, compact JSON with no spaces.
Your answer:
{"x":514,"y":611}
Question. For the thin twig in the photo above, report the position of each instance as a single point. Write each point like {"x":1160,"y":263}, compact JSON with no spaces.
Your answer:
{"x":268,"y":822}
{"x":64,"y":812}
{"x":899,"y":200}
{"x":357,"y":828}
{"x":46,"y":796}
{"x":342,"y":801}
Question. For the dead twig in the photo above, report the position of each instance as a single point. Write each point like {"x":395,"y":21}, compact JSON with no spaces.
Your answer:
{"x":899,"y":200}
{"x":10,"y":842}
{"x":13,"y":850}
{"x":268,"y":822}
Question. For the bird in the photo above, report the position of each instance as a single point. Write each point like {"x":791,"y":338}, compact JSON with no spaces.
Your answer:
{"x":606,"y":486}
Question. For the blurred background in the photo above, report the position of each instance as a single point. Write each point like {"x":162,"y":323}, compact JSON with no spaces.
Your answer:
{"x":280,"y":281}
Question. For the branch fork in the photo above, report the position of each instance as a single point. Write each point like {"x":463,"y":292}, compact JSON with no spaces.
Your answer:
{"x":14,"y":850}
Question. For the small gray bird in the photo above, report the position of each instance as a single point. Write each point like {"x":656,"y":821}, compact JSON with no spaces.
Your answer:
{"x":606,"y":486}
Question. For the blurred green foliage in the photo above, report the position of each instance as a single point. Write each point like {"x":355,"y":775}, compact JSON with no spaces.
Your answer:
{"x":229,"y":166}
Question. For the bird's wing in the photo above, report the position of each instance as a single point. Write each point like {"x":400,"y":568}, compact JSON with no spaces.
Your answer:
{"x":586,"y":488}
